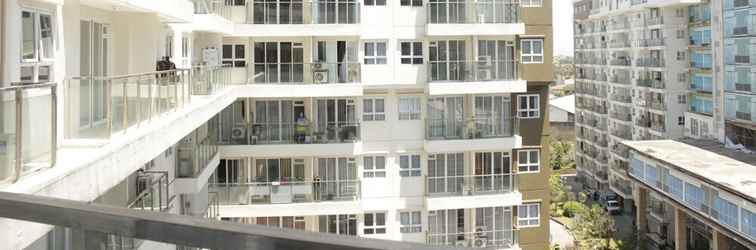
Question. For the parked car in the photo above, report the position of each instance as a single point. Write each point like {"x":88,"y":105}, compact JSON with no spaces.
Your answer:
{"x":613,"y":207}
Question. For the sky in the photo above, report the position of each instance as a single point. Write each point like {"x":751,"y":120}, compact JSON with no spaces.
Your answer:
{"x":562,"y":22}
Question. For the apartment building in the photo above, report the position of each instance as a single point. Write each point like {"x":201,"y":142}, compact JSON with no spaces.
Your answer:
{"x":414,"y":121}
{"x":688,"y":185}
{"x":636,"y":64}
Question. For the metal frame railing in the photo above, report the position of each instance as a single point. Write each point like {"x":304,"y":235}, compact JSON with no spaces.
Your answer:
{"x":306,"y":12}
{"x":285,"y":191}
{"x":473,"y":12}
{"x":481,"y":238}
{"x":466,"y":185}
{"x":19,"y":94}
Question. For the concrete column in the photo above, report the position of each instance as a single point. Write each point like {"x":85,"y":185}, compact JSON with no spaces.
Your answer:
{"x":641,"y":203}
{"x":719,"y":241}
{"x":681,"y":235}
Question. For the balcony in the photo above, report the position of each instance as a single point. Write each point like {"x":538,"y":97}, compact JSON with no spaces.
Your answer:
{"x":197,"y":159}
{"x":739,"y":31}
{"x":471,"y":191}
{"x":300,"y":18}
{"x":267,"y":139}
{"x":28,"y":138}
{"x":212,"y":16}
{"x":702,"y":86}
{"x":742,"y":59}
{"x":651,"y":42}
{"x":479,"y":134}
{"x":287,"y":192}
{"x":621,"y":116}
{"x":474,"y":77}
{"x":658,"y":20}
{"x":498,"y":17}
{"x":743,"y":116}
{"x":319,"y":79}
{"x":743,"y":87}
{"x":650,"y":62}
{"x":650,"y":83}
{"x":114,"y":104}
{"x":481,"y":238}
{"x":740,"y":3}
{"x":620,"y":62}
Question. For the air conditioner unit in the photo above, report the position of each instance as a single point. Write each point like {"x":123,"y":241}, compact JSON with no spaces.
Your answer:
{"x":320,"y":76}
{"x":238,"y":132}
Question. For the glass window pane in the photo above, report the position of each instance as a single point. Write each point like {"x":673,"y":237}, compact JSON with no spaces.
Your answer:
{"x":28,"y":45}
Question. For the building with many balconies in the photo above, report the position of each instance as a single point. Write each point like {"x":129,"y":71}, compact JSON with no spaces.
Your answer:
{"x":415,"y":121}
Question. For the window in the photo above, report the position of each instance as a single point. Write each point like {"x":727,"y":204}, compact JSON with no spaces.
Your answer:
{"x":529,"y":215}
{"x":375,"y":52}
{"x":680,"y":55}
{"x":726,"y":211}
{"x":375,"y":223}
{"x":409,"y":108}
{"x":235,"y":2}
{"x":409,"y":165}
{"x":410,"y":222}
{"x":37,"y":51}
{"x":694,"y":196}
{"x":412,"y":52}
{"x":528,"y":106}
{"x":413,"y":3}
{"x":375,"y":2}
{"x":234,"y":54}
{"x":373,"y":109}
{"x":748,"y":222}
{"x":531,"y":3}
{"x":675,"y":186}
{"x":528,"y":161}
{"x":374,"y":167}
{"x":681,"y":121}
{"x":532,"y":50}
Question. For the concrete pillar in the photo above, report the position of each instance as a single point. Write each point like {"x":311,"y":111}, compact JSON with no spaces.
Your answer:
{"x":641,"y":203}
{"x":719,"y":241}
{"x":681,"y":235}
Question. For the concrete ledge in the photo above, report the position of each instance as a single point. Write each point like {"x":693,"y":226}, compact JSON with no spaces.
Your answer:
{"x":291,"y":150}
{"x":475,"y":29}
{"x":292,"y":209}
{"x":296,"y":30}
{"x":195,"y":185}
{"x":486,"y":87}
{"x":299,"y":90}
{"x":465,"y":145}
{"x":474,"y":201}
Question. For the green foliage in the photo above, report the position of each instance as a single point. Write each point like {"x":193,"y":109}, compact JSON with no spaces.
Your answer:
{"x":558,"y":192}
{"x":595,"y":229}
{"x":572,"y":208}
{"x":562,"y":155}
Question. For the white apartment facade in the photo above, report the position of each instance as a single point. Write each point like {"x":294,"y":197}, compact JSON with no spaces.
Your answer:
{"x":413,"y":120}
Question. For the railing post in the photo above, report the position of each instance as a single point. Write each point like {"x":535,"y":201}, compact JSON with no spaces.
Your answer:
{"x":19,"y":135}
{"x":125,"y":105}
{"x":109,"y":105}
{"x":53,"y":125}
{"x":138,"y":103}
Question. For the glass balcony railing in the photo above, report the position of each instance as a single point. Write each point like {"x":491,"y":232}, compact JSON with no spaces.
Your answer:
{"x":465,"y":185}
{"x":28,"y":128}
{"x":286,"y":192}
{"x":192,"y":159}
{"x":305,"y":73}
{"x":651,"y":83}
{"x":212,"y":7}
{"x":504,"y":238}
{"x":303,"y":12}
{"x":291,"y":133}
{"x":473,"y":71}
{"x":496,"y":11}
{"x":104,"y":105}
{"x":480,"y":128}
{"x":207,"y":80}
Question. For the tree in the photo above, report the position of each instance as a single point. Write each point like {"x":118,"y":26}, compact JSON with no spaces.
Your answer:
{"x":594,"y":229}
{"x":562,"y":156}
{"x":558,"y":192}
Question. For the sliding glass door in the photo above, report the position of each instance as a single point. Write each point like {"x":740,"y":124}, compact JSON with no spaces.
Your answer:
{"x":446,"y":173}
{"x":447,"y":60}
{"x":336,"y":119}
{"x":496,"y":60}
{"x":445,"y":117}
{"x":493,"y":116}
{"x":94,"y":56}
{"x":447,"y":11}
{"x":278,"y":12}
{"x":335,"y":11}
{"x":274,"y":121}
{"x":492,"y":172}
{"x":336,"y":179}
{"x":278,"y":62}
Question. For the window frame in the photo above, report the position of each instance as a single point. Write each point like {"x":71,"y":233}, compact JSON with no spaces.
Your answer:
{"x":374,"y":3}
{"x":374,"y":227}
{"x":531,"y":112}
{"x":531,"y":55}
{"x":411,"y":114}
{"x":373,"y":171}
{"x":375,"y":57}
{"x":411,"y":226}
{"x":234,"y":59}
{"x":530,"y":165}
{"x":525,"y":220}
{"x":411,"y":170}
{"x":411,"y":3}
{"x":413,"y":56}
{"x":373,"y":115}
{"x":531,"y":3}
{"x":39,"y":61}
